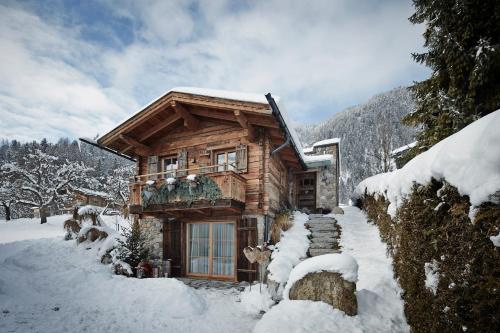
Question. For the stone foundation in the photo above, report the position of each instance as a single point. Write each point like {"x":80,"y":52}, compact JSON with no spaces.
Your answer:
{"x":153,"y":228}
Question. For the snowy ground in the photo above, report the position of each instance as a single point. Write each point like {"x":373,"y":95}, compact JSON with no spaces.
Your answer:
{"x":50,"y":285}
{"x":380,"y":307}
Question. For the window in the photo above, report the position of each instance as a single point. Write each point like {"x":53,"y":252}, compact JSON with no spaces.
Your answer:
{"x":211,"y":249}
{"x":226,"y":161}
{"x":170,"y":166}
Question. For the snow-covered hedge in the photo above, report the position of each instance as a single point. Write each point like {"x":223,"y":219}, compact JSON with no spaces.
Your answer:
{"x":438,"y":215}
{"x":469,"y":160}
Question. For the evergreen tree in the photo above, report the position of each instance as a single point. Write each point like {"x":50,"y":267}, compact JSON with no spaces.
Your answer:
{"x":463,"y":50}
{"x":134,"y":247}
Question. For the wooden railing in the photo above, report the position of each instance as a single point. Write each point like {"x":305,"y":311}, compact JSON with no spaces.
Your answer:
{"x":231,"y":184}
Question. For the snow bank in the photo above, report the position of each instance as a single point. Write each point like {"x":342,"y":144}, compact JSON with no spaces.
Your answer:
{"x":468,"y":160}
{"x":380,"y":307}
{"x":49,"y":285}
{"x":291,"y":248}
{"x":256,"y":298}
{"x":334,"y":262}
{"x":307,"y":316}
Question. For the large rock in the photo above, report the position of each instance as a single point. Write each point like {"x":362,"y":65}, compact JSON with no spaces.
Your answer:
{"x":328,"y":287}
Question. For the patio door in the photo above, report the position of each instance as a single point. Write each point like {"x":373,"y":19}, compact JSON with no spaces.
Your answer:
{"x":211,"y":249}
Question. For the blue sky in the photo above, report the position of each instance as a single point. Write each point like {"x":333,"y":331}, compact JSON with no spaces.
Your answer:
{"x":78,"y":68}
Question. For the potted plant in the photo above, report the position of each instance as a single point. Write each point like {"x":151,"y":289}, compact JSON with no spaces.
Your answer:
{"x":170,"y":183}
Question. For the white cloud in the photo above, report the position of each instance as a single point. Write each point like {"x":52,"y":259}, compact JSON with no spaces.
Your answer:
{"x":318,"y":55}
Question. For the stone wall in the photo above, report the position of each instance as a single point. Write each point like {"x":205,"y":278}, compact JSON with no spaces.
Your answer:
{"x":153,"y":228}
{"x":328,"y":178}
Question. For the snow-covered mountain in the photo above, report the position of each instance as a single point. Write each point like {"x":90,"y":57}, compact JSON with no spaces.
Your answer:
{"x":368,"y":133}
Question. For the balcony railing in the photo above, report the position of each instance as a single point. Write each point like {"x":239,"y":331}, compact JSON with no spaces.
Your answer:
{"x":231,"y":184}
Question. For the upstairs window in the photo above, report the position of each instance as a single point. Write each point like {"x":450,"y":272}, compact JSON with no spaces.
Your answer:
{"x":170,"y":166}
{"x":226,"y":161}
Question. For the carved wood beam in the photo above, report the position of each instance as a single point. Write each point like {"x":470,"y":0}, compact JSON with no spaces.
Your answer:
{"x":160,"y":126}
{"x":243,"y":121}
{"x":190,"y":121}
{"x":139,"y":148}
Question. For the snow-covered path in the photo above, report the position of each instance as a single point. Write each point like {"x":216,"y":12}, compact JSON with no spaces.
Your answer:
{"x":380,"y":307}
{"x":50,"y":285}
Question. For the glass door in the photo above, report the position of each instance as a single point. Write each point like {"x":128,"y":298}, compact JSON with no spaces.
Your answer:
{"x":211,"y":249}
{"x":222,"y":249}
{"x":199,"y":248}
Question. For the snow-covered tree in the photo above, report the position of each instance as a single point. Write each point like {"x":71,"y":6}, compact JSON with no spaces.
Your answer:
{"x":117,"y":183}
{"x":10,"y":193}
{"x":44,"y":179}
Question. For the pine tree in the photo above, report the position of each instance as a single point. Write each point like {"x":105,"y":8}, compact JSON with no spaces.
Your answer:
{"x":134,"y":247}
{"x":463,"y":50}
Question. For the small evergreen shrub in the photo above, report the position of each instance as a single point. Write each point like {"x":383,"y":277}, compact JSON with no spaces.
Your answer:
{"x":433,"y":225}
{"x":134,"y":247}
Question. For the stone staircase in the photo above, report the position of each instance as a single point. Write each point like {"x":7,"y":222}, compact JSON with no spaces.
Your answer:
{"x":325,"y":234}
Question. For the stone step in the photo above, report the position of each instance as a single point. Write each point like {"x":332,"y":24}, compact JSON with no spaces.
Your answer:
{"x":322,"y":220}
{"x":324,"y":240}
{"x":318,"y":252}
{"x":326,"y":245}
{"x":325,"y":227}
{"x":315,"y":215}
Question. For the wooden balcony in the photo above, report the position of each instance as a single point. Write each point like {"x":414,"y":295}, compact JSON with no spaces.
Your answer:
{"x":230,"y":194}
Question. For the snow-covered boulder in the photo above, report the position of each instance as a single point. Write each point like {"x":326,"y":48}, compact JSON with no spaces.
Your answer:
{"x":330,"y":278}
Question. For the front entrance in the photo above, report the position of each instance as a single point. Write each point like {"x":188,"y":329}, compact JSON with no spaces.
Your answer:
{"x":211,"y":250}
{"x":306,"y":190}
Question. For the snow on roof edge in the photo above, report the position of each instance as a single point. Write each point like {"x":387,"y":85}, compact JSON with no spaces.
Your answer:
{"x":326,"y":142}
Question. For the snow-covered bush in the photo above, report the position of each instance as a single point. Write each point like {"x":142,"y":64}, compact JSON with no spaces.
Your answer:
{"x":438,"y":214}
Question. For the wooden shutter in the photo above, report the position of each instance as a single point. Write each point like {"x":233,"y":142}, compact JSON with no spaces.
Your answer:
{"x":182,"y":162}
{"x":153,"y":166}
{"x":241,"y":158}
{"x":247,"y":236}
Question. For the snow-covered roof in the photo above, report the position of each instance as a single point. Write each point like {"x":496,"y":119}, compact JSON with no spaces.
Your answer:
{"x":225,"y":94}
{"x":318,"y":158}
{"x":403,"y":148}
{"x":468,"y":160}
{"x":308,"y":150}
{"x":326,"y":142}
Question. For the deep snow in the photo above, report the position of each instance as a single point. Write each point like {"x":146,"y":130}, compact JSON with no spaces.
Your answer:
{"x":51,"y":285}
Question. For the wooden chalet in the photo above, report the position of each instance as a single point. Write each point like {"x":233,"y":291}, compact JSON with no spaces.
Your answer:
{"x":213,"y":169}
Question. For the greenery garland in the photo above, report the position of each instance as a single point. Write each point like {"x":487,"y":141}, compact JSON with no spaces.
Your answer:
{"x":206,"y":188}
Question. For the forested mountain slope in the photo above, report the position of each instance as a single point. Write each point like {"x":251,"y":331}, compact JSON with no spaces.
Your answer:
{"x":368,"y":133}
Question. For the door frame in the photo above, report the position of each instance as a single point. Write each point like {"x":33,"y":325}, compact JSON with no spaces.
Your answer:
{"x":210,"y":251}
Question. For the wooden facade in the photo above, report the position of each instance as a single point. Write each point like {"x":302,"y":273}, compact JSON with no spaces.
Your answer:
{"x":229,"y":141}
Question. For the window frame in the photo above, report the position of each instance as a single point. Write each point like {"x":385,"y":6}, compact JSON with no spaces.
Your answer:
{"x":174,"y":172}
